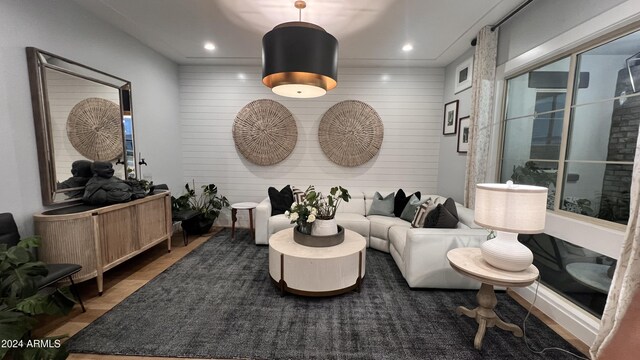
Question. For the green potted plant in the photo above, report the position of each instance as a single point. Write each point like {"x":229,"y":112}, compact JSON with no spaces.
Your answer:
{"x":208,"y":204}
{"x":21,"y":302}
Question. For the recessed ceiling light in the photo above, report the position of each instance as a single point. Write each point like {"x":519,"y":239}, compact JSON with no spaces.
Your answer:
{"x":209,"y":46}
{"x":407,"y":47}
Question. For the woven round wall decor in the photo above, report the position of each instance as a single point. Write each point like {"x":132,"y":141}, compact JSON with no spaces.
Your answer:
{"x":265,"y":132}
{"x":94,"y":128}
{"x":350,"y":133}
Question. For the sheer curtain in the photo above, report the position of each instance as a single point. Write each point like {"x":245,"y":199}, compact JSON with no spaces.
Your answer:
{"x":621,"y":312}
{"x":481,"y":115}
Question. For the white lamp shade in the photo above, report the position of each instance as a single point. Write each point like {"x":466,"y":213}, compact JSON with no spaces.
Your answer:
{"x":512,"y":208}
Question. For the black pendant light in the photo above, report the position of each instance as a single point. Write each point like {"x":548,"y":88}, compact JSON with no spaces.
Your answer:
{"x":299,"y":59}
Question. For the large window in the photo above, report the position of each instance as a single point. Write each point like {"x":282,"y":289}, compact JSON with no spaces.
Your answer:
{"x":572,"y":126}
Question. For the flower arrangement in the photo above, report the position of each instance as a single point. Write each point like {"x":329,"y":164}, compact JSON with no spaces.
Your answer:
{"x":316,"y":206}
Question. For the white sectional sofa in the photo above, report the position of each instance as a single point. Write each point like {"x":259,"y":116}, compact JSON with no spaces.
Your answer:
{"x":420,"y":253}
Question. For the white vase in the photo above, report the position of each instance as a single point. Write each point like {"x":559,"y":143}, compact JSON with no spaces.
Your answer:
{"x":324,"y":227}
{"x":506,"y":252}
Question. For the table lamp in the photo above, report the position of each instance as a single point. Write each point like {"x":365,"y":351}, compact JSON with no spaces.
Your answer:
{"x":509,"y":209}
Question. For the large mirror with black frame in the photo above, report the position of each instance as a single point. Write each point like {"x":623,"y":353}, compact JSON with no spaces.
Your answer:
{"x":81,"y":115}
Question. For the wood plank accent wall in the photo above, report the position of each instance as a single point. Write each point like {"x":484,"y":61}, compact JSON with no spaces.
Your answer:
{"x":409,"y":101}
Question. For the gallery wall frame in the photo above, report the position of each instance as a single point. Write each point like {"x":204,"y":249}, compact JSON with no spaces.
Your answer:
{"x":450,"y":118}
{"x":463,"y":135}
{"x":464,"y":75}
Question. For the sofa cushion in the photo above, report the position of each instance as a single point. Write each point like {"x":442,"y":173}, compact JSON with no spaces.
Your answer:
{"x":354,"y":206}
{"x":354,"y":222}
{"x":280,"y":200}
{"x":401,"y":200}
{"x":398,"y":237}
{"x":412,"y":206}
{"x":277,"y":223}
{"x":466,"y":216}
{"x":380,"y":225}
{"x":382,"y":205}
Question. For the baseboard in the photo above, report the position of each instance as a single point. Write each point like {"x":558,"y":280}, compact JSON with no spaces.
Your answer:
{"x":571,"y":317}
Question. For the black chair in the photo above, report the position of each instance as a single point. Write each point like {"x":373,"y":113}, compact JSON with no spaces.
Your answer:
{"x":178,"y":216}
{"x":9,"y":235}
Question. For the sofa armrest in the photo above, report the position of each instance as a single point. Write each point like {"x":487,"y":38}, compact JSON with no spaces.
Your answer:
{"x":425,"y":256}
{"x":263,"y":213}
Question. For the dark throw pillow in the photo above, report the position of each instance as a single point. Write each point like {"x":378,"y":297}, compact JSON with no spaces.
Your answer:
{"x":280,"y":200}
{"x":443,"y":216}
{"x":401,"y":200}
{"x":450,"y":205}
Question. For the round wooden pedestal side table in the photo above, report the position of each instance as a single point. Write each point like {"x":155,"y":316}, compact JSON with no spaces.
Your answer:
{"x":469,"y":262}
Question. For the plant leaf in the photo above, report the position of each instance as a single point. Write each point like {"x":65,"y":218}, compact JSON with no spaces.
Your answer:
{"x":29,"y":242}
{"x":14,"y":325}
{"x":18,"y":255}
{"x":50,"y":301}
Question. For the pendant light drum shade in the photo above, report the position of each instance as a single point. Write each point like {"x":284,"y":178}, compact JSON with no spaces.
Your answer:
{"x":299,"y":59}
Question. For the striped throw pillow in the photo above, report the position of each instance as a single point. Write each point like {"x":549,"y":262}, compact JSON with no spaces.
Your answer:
{"x":421,"y":214}
{"x":298,"y":195}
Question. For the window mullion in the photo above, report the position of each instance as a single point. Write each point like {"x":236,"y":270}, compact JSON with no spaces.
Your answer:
{"x":573,"y":65}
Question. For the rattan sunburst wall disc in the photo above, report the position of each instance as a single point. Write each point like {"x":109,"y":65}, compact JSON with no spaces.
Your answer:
{"x":350,"y":133}
{"x":265,"y":132}
{"x":94,"y":128}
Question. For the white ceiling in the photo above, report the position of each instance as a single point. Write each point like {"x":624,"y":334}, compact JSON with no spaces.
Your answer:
{"x":370,"y":32}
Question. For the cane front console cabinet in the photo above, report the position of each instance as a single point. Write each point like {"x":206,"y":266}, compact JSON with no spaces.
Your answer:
{"x":99,"y":238}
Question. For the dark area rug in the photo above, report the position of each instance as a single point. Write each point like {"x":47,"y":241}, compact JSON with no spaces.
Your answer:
{"x":219,"y":302}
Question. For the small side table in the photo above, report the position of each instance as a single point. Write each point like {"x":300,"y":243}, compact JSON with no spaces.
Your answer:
{"x":469,"y":262}
{"x":234,"y":211}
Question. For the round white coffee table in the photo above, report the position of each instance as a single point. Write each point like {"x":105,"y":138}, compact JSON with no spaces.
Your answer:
{"x":316,"y":271}
{"x":469,"y":262}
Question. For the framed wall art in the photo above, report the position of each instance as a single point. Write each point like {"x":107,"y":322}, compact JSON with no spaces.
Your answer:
{"x":464,"y":75}
{"x":450,"y":119}
{"x":463,"y":135}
